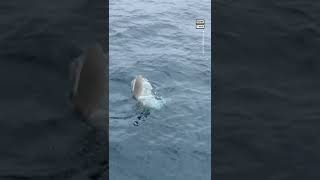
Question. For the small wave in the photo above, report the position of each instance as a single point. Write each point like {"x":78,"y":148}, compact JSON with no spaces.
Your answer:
{"x":152,"y":102}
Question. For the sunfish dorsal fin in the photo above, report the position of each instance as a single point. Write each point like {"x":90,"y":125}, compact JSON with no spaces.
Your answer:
{"x":137,"y":86}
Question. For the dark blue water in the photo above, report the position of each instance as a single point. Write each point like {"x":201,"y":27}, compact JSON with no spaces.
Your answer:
{"x":158,"y":39}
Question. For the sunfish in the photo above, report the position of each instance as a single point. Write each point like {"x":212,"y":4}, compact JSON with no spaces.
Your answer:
{"x":137,"y":86}
{"x":142,"y":91}
{"x":141,"y":87}
{"x":89,"y":82}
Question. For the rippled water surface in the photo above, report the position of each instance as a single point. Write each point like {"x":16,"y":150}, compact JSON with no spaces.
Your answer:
{"x":158,"y":39}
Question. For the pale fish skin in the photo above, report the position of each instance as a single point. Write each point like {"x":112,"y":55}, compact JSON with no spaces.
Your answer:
{"x":142,"y":92}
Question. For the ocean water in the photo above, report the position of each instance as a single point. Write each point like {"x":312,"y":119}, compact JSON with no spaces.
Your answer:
{"x":158,"y":40}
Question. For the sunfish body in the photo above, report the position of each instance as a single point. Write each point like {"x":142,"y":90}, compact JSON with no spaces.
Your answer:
{"x":89,"y":83}
{"x":141,"y":88}
{"x":137,"y":87}
{"x":142,"y":92}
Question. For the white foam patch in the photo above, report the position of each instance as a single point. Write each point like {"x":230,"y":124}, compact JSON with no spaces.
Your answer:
{"x":149,"y":98}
